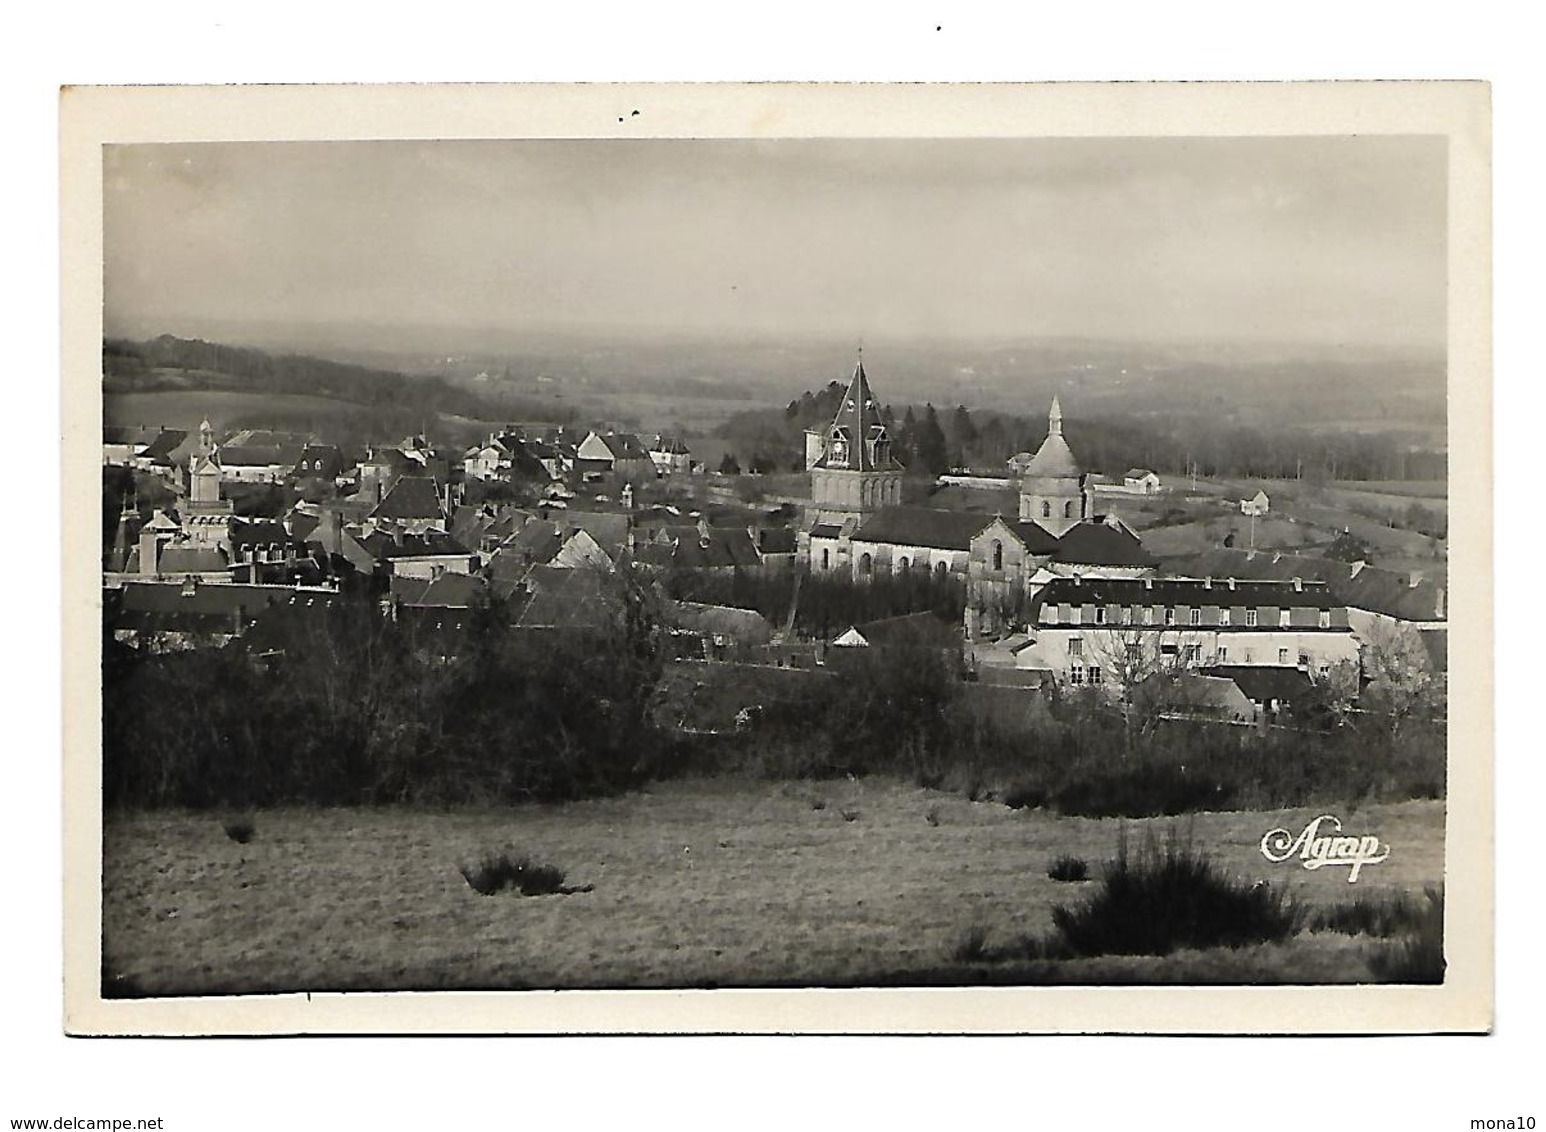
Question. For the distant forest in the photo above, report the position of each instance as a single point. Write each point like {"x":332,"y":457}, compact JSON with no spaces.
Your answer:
{"x":931,"y":441}
{"x":388,"y":401}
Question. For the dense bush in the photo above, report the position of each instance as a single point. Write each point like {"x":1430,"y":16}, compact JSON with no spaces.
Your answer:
{"x":1419,"y":957}
{"x":354,"y":708}
{"x":499,"y":872}
{"x":1165,"y":897}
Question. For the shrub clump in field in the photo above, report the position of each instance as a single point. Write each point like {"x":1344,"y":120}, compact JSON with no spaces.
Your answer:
{"x":1069,"y":868}
{"x":931,"y":815}
{"x":240,"y":829}
{"x":849,"y":813}
{"x":1381,"y":915}
{"x":1025,"y":796}
{"x":1419,"y":957}
{"x":973,"y":946}
{"x":499,"y":872}
{"x":1162,"y":898}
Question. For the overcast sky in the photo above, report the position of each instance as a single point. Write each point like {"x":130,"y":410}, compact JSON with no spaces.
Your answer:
{"x":1316,"y":240}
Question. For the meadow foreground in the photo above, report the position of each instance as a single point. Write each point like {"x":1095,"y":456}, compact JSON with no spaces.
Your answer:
{"x":706,"y":882}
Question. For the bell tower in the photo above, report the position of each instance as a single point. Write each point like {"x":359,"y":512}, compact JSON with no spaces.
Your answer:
{"x":853,"y":470}
{"x":1052,"y":490}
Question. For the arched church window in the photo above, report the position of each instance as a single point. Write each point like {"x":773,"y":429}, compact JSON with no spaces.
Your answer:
{"x":826,"y":559}
{"x":866,"y":565}
{"x":998,"y":556}
{"x":939,"y":569}
{"x":904,"y":564}
{"x":1068,"y":509}
{"x":1046,"y":509}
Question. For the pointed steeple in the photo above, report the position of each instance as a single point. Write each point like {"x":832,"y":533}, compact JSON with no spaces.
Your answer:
{"x":857,"y":438}
{"x":1055,"y":418}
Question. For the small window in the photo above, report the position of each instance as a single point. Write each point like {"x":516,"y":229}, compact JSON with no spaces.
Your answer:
{"x":1170,"y":615}
{"x":998,"y":556}
{"x":904,"y":564}
{"x":1304,"y":660}
{"x":1325,"y":619}
{"x":866,"y":565}
{"x":1284,"y":620}
{"x":1046,"y":509}
{"x":1282,"y":656}
{"x":826,"y":559}
{"x":1148,"y":615}
{"x":1250,"y":618}
{"x":1134,"y":653}
{"x":939,"y":569}
{"x":1100,"y":615}
{"x":1068,"y":513}
{"x":1127,"y":615}
{"x":1223,"y":617}
{"x":1094,"y":674}
{"x":1193,"y":653}
{"x":1196,"y":616}
{"x":1077,"y":615}
{"x":1076,"y":675}
{"x":1075,"y":646}
{"x":1223,"y":654}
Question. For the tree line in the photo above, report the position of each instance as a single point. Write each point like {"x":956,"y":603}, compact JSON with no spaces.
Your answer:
{"x":932,"y":441}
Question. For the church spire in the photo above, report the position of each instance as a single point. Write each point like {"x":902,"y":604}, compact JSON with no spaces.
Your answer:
{"x":1055,"y":418}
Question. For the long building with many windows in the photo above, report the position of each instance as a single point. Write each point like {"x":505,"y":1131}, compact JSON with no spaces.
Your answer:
{"x":1116,"y":630}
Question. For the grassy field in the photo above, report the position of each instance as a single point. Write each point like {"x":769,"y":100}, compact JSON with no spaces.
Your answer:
{"x":696,"y":883}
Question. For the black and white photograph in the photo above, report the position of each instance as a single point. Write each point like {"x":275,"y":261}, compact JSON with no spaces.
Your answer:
{"x":637,"y":557}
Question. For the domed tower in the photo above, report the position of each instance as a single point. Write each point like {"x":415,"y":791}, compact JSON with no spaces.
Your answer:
{"x":1052,"y":486}
{"x":853,"y":470}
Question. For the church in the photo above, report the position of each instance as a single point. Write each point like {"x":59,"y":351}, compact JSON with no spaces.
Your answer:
{"x":857,"y":524}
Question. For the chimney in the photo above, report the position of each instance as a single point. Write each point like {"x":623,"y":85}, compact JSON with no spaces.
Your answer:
{"x":1439,"y":604}
{"x":1231,"y":583}
{"x":1148,"y":583}
{"x":1299,"y":585}
{"x":1414,"y":579}
{"x":1207,"y":583}
{"x":190,"y":585}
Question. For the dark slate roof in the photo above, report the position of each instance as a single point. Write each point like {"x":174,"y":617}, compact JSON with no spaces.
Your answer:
{"x":776,"y":540}
{"x":411,"y":497}
{"x":911,"y":630}
{"x":534,"y":544}
{"x":827,"y":530}
{"x":1137,"y":473}
{"x":609,"y":529}
{"x":725,"y":547}
{"x":626,"y":446}
{"x":161,"y":448}
{"x":1175,"y":591}
{"x":407,"y":590}
{"x":382,"y":546}
{"x":920,"y":526}
{"x":567,"y":599}
{"x":193,"y":560}
{"x":1368,"y":587}
{"x":254,"y":456}
{"x":1093,"y":543}
{"x":452,"y":591}
{"x":262,"y":532}
{"x":858,"y":422}
{"x":208,"y":607}
{"x":1037,"y":539}
{"x":739,"y":624}
{"x":1261,"y":683}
